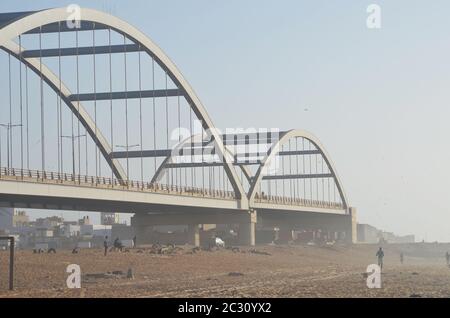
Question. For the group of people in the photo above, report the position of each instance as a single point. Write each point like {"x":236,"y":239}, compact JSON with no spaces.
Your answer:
{"x":117,"y":244}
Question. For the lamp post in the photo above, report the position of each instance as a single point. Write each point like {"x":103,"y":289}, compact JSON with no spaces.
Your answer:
{"x":127,"y":147}
{"x":73,"y":150}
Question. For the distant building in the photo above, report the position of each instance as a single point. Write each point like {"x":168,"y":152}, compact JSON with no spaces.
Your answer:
{"x":85,"y":220}
{"x":102,"y":230}
{"x":11,"y":218}
{"x":109,"y":218}
{"x":48,"y":222}
{"x":390,"y":237}
{"x":367,"y":234}
{"x":70,"y":230}
{"x":370,"y":234}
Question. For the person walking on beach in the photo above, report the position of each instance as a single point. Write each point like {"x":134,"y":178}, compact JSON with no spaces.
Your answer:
{"x":447,"y":257}
{"x":105,"y":245}
{"x":380,"y":255}
{"x":402,"y":258}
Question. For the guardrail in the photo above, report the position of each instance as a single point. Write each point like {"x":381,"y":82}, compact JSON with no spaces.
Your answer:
{"x":298,"y":201}
{"x":110,"y":183}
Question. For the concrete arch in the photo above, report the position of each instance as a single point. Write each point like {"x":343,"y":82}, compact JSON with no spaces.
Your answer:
{"x":284,"y":138}
{"x":53,"y":82}
{"x":25,"y":22}
{"x":159,"y":172}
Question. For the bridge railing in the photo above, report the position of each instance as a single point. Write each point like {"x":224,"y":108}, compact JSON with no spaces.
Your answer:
{"x":274,"y":199}
{"x":105,"y":182}
{"x":112,"y":183}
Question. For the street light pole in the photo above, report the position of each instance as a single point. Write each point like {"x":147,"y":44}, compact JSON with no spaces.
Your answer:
{"x":127,"y":147}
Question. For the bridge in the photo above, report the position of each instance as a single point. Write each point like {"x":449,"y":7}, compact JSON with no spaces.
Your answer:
{"x":95,"y":117}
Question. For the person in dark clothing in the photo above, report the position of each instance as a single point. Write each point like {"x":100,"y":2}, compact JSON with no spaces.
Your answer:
{"x":134,"y":241}
{"x":380,"y":255}
{"x":402,"y":258}
{"x":447,"y":257}
{"x":105,"y":245}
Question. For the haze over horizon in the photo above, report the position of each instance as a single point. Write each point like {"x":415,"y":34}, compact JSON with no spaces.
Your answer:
{"x":377,"y":99}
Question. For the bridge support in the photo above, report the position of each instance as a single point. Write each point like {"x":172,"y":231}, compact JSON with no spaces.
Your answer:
{"x":330,"y":225}
{"x":194,"y":234}
{"x":246,"y":220}
{"x":247,"y":230}
{"x":353,"y":225}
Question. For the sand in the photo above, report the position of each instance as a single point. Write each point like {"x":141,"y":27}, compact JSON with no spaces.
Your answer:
{"x":274,"y":271}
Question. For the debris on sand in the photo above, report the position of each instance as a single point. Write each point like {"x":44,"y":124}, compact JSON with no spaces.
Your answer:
{"x":235,"y":274}
{"x":165,"y":250}
{"x":253,"y":251}
{"x":107,"y":275}
{"x":414,"y":273}
{"x":234,"y":249}
{"x":415,"y":296}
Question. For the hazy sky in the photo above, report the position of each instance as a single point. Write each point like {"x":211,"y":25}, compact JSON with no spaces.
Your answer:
{"x":377,"y":99}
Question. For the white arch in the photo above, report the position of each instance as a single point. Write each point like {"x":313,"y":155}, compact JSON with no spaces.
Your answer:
{"x":53,"y":81}
{"x":39,"y":18}
{"x":262,"y":170}
{"x":169,"y":159}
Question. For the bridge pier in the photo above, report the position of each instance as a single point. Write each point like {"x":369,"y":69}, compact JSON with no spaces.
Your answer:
{"x":330,"y":225}
{"x":246,"y":220}
{"x":194,"y":234}
{"x":247,"y":231}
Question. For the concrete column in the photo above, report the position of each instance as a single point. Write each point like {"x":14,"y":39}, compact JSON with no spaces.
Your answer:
{"x":247,"y":230}
{"x":194,"y":235}
{"x":246,"y":234}
{"x":354,"y":225}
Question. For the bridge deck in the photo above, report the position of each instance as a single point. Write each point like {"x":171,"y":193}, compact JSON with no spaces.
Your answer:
{"x":161,"y":194}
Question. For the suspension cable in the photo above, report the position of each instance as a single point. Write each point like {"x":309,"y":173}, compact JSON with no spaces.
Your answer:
{"x":303,"y":171}
{"x":97,"y":159}
{"x":27,"y":117}
{"x":9,"y":126}
{"x":110,"y":100}
{"x":60,"y":126}
{"x":154,"y":113}
{"x":21,"y":106}
{"x":42,"y":101}
{"x":179,"y":133}
{"x":167,"y":128}
{"x":140,"y":117}
{"x":126,"y":107}
{"x":78,"y":106}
